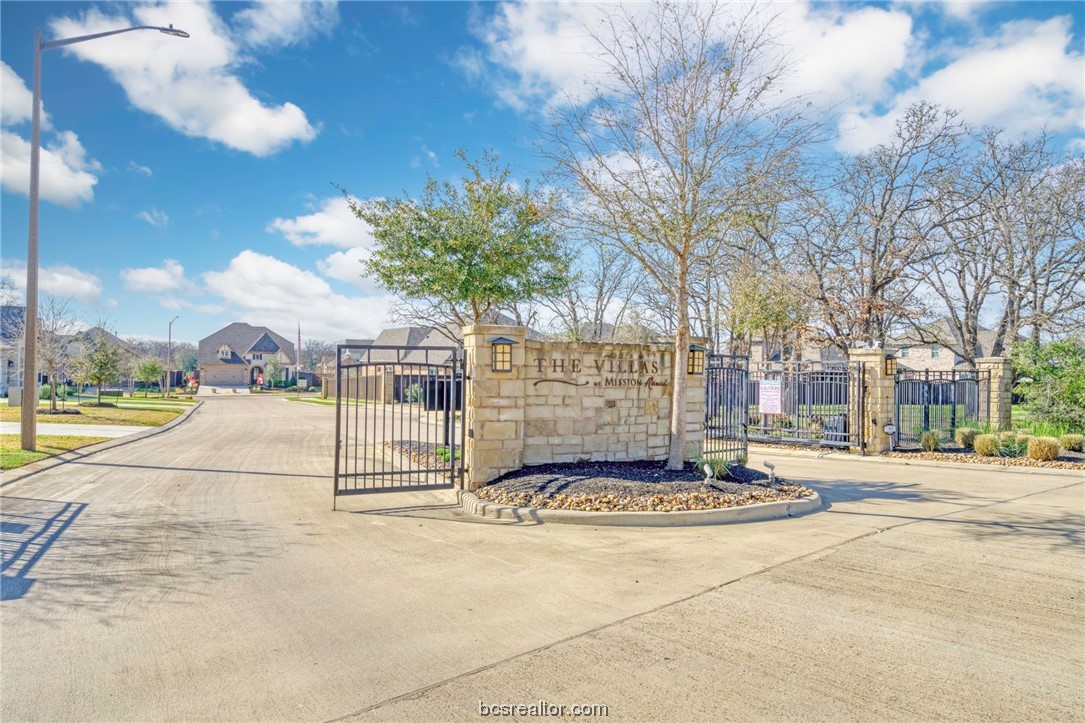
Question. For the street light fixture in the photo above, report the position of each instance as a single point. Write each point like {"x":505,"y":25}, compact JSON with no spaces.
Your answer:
{"x":28,"y":426}
{"x":169,"y":356}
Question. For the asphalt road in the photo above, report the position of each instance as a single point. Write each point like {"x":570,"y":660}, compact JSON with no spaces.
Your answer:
{"x":201,"y":575}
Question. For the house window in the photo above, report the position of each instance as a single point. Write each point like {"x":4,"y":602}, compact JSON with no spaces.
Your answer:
{"x":257,"y":357}
{"x":904,"y":352}
{"x":224,"y":352}
{"x":935,"y":351}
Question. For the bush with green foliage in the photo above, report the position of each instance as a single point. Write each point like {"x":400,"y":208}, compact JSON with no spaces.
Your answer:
{"x":1045,"y":449}
{"x":931,"y":440}
{"x":986,"y":445}
{"x":1072,"y":442}
{"x":1051,"y":378}
{"x":965,"y":436}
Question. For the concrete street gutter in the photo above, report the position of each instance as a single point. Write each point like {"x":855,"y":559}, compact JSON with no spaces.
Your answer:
{"x":878,"y":459}
{"x":728,"y":515}
{"x":11,"y":476}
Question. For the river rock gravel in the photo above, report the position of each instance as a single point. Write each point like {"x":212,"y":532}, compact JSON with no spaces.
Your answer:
{"x":634,"y":486}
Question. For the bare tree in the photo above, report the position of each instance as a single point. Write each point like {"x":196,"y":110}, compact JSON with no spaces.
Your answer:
{"x":681,"y":139}
{"x":57,"y":323}
{"x":866,"y":236}
{"x":597,"y":297}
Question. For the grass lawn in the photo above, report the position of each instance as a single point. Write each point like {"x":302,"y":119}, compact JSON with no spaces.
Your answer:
{"x":99,"y":415}
{"x":11,"y":456}
{"x":313,"y":400}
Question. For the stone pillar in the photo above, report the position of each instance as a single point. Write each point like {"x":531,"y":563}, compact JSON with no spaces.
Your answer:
{"x":878,"y":400}
{"x":695,"y":407}
{"x":495,"y":406}
{"x":1001,"y":389}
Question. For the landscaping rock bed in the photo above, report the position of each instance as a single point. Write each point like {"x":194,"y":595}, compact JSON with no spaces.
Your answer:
{"x":1066,"y":460}
{"x":424,"y":454}
{"x":634,"y":487}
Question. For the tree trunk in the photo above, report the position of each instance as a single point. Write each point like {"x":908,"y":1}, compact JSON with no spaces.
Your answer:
{"x":99,"y":394}
{"x":52,"y":393}
{"x":676,"y":456}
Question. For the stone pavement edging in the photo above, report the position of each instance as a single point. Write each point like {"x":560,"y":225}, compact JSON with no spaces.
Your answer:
{"x":20,"y":473}
{"x":878,"y":459}
{"x":747,"y":513}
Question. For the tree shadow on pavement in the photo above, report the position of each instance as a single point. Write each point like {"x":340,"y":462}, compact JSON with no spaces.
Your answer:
{"x":105,"y":562}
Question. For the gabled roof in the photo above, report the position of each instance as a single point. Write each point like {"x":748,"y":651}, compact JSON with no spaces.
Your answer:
{"x":96,"y":335}
{"x":264,"y":344}
{"x":243,"y":337}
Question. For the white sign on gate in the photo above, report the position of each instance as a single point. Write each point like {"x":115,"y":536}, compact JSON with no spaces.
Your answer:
{"x":770,"y":397}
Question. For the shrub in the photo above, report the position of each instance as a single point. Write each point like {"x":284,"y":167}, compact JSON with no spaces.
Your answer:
{"x":965,"y":436}
{"x":1051,"y":378}
{"x":986,"y":445}
{"x":1045,"y":449}
{"x":930,"y":440}
{"x":1025,"y":433}
{"x":1072,"y":442}
{"x":1007,"y":437}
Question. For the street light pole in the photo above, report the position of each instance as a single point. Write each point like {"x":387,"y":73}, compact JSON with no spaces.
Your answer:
{"x":169,"y":356}
{"x":28,"y":424}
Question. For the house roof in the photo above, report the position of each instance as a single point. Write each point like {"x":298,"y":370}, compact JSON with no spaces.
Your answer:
{"x":942,"y":329}
{"x":242,"y":338}
{"x":97,"y":335}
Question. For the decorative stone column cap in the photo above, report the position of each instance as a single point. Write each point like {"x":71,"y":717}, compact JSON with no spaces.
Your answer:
{"x":510,"y":330}
{"x":994,"y":361}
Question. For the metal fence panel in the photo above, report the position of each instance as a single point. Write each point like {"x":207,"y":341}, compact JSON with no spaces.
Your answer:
{"x":398,"y":418}
{"x":726,"y":408}
{"x":820,"y":403}
{"x":940,"y":401}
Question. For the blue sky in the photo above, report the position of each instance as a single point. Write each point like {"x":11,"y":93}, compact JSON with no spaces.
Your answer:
{"x":194,"y":177}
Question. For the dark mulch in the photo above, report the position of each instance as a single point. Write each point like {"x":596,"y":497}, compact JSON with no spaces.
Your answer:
{"x":97,"y":404}
{"x":58,"y":411}
{"x":632,"y":479}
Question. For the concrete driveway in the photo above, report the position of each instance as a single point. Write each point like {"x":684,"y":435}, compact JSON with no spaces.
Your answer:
{"x":201,"y":575}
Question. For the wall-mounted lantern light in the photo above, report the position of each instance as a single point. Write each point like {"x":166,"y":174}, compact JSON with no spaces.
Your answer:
{"x":890,"y":365}
{"x":695,"y":359}
{"x":501,"y":358}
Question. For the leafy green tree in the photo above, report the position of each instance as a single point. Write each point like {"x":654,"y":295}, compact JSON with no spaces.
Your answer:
{"x":465,"y":250}
{"x":99,"y":364}
{"x":1051,"y":378}
{"x":273,"y":371}
{"x":148,"y":370}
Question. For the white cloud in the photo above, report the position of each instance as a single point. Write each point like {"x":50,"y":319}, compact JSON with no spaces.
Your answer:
{"x":347,"y":266}
{"x":156,"y":218}
{"x":261,"y":289}
{"x":169,"y":277}
{"x":272,"y":23}
{"x":1027,"y":77}
{"x":334,"y":224}
{"x":188,"y":83}
{"x":66,"y":175}
{"x":62,"y":281}
{"x":137,"y":168}
{"x":16,"y":100}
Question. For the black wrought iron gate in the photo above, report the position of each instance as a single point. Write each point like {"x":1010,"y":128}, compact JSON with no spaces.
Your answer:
{"x":727,"y":409}
{"x":939,"y":401}
{"x":398,"y":422}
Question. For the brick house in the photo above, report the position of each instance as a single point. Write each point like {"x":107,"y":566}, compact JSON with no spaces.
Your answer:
{"x":236,"y":356}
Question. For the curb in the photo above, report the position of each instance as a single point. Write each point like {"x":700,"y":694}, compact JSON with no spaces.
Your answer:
{"x":728,"y":515}
{"x":33,"y":468}
{"x":900,"y":461}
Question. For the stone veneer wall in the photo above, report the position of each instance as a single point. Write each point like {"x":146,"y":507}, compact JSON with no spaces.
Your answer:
{"x":566,"y":402}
